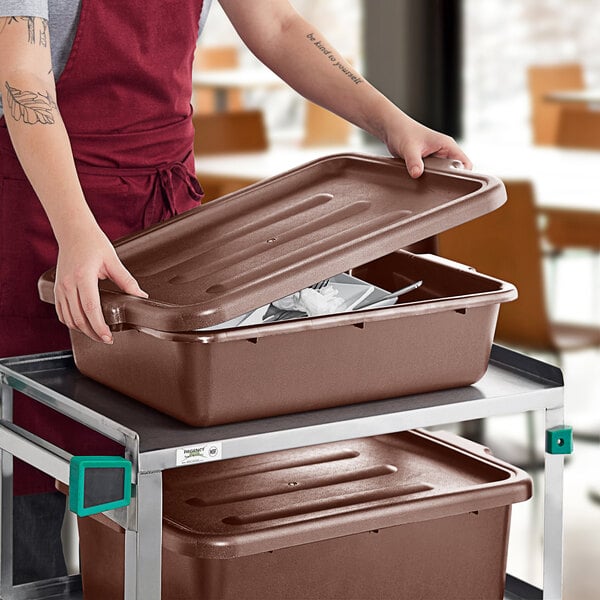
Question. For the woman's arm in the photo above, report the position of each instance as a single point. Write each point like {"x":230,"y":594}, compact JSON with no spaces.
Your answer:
{"x":42,"y":145}
{"x":302,"y":57}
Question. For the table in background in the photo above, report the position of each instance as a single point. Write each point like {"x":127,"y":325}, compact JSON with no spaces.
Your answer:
{"x":590,"y":96}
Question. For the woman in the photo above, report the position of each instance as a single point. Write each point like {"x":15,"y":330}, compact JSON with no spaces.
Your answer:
{"x":107,"y":150}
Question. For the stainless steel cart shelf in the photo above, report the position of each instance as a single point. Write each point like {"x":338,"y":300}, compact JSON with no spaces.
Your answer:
{"x":513,"y":383}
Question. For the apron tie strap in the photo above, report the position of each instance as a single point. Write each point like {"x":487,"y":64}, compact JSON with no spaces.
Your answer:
{"x":164,"y":185}
{"x":165,"y":180}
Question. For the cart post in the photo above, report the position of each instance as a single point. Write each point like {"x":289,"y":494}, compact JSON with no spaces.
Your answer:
{"x":553,"y":511}
{"x":143,"y":545}
{"x":6,"y":499}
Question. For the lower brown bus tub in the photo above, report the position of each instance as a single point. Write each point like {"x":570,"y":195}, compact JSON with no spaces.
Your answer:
{"x":407,"y":516}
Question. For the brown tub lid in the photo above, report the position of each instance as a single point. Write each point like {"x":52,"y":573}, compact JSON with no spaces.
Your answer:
{"x":278,"y":236}
{"x":265,"y":502}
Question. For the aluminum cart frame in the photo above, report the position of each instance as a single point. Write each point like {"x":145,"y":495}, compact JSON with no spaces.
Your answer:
{"x":153,"y":442}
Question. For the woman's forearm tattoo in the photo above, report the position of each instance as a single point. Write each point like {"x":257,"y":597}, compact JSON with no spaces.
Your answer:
{"x":30,"y":107}
{"x":335,"y":62}
{"x":35,"y":25}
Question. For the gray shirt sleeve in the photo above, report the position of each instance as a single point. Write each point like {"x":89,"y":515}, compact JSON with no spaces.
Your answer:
{"x":24,"y":8}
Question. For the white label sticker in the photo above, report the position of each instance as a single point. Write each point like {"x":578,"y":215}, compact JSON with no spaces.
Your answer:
{"x":200,"y":453}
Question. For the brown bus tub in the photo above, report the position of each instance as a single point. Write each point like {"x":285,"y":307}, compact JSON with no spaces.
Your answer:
{"x":413,"y":515}
{"x":271,"y":239}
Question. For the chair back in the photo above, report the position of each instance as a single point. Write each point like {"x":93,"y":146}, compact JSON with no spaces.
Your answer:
{"x":229,"y":132}
{"x":545,"y":114}
{"x":506,"y":244}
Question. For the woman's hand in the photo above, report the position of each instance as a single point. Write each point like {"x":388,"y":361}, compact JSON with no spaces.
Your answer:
{"x":84,"y":257}
{"x":412,"y":141}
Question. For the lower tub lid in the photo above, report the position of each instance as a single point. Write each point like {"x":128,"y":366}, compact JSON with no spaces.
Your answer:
{"x":266,"y":502}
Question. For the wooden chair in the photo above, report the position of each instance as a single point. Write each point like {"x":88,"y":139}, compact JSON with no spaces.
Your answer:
{"x":215,"y":57}
{"x":324,"y":128}
{"x":545,"y":115}
{"x":507,"y":244}
{"x":227,"y":132}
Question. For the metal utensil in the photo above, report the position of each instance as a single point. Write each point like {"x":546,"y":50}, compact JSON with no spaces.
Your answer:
{"x":400,"y":292}
{"x":320,"y":285}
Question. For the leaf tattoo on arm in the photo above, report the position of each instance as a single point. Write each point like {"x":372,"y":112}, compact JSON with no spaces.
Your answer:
{"x":30,"y":107}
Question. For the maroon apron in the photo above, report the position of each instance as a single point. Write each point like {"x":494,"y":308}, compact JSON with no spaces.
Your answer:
{"x":124,"y":96}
